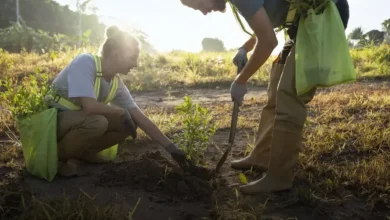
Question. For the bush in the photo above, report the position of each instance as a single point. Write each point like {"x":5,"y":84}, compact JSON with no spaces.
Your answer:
{"x":25,"y":98}
{"x":198,"y":128}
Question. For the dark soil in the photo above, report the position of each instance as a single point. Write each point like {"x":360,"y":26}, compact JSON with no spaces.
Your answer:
{"x":154,"y":173}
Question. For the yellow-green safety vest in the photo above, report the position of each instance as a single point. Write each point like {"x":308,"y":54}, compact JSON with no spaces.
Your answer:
{"x":63,"y":102}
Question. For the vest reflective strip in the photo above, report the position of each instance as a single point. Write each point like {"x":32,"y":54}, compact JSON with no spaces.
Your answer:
{"x":114,"y":87}
{"x":235,"y":13}
{"x":113,"y":90}
{"x":64,"y":102}
{"x":99,"y":74}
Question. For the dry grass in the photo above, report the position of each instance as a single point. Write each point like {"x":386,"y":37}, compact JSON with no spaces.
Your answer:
{"x":346,"y":152}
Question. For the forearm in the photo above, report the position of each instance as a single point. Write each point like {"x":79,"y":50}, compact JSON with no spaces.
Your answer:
{"x":249,"y":44}
{"x":94,"y":107}
{"x":149,"y":127}
{"x":260,"y":55}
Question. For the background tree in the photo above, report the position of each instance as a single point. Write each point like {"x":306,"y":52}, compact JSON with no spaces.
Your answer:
{"x":356,"y":34}
{"x":49,"y":16}
{"x":375,"y":36}
{"x":213,"y":44}
{"x":386,"y":28}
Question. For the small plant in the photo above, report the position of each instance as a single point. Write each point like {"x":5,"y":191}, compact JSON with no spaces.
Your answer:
{"x":198,"y":128}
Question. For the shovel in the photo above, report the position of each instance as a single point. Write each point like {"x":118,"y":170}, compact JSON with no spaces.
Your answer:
{"x":233,"y":126}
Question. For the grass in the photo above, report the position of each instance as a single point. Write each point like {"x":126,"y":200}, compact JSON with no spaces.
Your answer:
{"x":345,"y":156}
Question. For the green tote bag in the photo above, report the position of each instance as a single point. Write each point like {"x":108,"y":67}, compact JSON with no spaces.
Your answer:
{"x":322,"y":51}
{"x":38,"y":135}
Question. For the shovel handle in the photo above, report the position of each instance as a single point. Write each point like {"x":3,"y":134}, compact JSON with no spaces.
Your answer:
{"x":234,"y":113}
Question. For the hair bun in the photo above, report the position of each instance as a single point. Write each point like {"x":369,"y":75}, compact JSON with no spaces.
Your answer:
{"x":112,"y":31}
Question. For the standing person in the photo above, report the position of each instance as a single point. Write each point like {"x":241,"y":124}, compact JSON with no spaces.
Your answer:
{"x":95,"y":109}
{"x":279,"y":136}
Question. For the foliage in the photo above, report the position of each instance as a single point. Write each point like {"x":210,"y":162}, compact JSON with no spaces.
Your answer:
{"x":375,"y":36}
{"x":19,"y":36}
{"x":213,"y":44}
{"x":198,"y":128}
{"x":53,"y":18}
{"x":356,"y":34}
{"x":386,"y":26}
{"x":371,"y":61}
{"x":24,"y":98}
{"x":304,"y":6}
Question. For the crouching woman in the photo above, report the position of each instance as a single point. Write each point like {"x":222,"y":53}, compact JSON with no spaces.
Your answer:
{"x":96,"y":111}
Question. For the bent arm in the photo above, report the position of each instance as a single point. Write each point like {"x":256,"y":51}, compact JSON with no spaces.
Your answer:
{"x":266,"y":43}
{"x":92,"y":106}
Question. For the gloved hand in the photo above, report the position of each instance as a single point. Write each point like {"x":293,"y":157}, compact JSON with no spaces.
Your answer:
{"x":130,"y":125}
{"x":178,"y":155}
{"x":238,"y":92}
{"x":241,"y":57}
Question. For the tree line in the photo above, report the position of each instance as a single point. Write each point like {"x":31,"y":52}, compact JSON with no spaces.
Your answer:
{"x":51,"y":17}
{"x":375,"y":36}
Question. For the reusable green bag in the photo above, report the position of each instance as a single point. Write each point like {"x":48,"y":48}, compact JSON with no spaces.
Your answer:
{"x":322,"y":51}
{"x":38,"y":135}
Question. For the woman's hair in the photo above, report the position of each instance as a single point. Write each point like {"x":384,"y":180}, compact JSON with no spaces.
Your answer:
{"x":117,"y":39}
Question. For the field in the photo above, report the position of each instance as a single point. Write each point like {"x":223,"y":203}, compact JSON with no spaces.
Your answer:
{"x":343,"y":170}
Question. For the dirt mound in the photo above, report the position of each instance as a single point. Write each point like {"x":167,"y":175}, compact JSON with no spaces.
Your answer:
{"x":155,"y":173}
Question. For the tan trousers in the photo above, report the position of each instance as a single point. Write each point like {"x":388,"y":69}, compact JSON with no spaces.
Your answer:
{"x":82,"y":136}
{"x":285,"y":110}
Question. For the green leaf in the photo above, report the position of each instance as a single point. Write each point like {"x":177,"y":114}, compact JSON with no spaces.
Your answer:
{"x":243,"y":178}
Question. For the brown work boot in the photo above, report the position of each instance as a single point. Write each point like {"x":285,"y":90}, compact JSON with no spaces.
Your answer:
{"x":284,"y":156}
{"x":67,"y":168}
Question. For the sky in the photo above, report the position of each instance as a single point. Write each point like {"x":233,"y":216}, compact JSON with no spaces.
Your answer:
{"x":172,"y":26}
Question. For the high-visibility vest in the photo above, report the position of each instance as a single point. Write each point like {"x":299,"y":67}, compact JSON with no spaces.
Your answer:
{"x":65,"y":103}
{"x":289,"y":19}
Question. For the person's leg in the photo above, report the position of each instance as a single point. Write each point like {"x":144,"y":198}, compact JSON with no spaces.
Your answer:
{"x":260,"y":154}
{"x":75,"y":129}
{"x":116,"y":133}
{"x":290,"y":117}
{"x":291,"y":114}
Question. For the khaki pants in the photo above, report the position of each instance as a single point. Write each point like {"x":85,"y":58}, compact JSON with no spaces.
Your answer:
{"x":82,"y":136}
{"x":285,"y":111}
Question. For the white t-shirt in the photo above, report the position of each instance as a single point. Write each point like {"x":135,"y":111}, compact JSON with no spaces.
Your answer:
{"x":78,"y":79}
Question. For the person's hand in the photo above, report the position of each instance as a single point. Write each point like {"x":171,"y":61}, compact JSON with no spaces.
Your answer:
{"x":241,"y":57}
{"x":238,"y":91}
{"x":178,"y":155}
{"x":130,"y":125}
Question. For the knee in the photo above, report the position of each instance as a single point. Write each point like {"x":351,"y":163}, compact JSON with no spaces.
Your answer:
{"x":97,"y":123}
